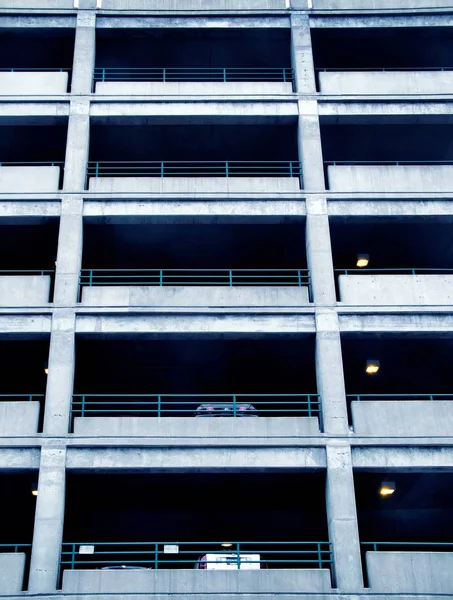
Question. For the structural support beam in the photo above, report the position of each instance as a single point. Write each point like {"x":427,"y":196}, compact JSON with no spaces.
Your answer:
{"x":49,"y":517}
{"x":302,"y":54}
{"x":84,"y":53}
{"x":60,"y":380}
{"x":329,"y":373}
{"x":342,"y":519}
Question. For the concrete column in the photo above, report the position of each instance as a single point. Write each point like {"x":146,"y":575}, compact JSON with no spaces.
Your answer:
{"x":310,"y":148}
{"x":319,"y":252}
{"x":49,"y":518}
{"x":342,"y":519}
{"x":302,"y":54}
{"x":84,"y":53}
{"x":329,"y":373}
{"x":77,"y":146}
{"x":69,"y":255}
{"x":60,"y":380}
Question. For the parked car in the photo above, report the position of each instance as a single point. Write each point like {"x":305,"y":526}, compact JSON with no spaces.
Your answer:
{"x":226,"y":409}
{"x":229,"y":561}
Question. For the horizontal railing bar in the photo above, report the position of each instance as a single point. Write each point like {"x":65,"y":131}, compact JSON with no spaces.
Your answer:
{"x":55,"y":163}
{"x":398,"y":395}
{"x":201,"y":395}
{"x":169,"y":543}
{"x":388,"y":162}
{"x":393,"y":269}
{"x":380,"y":69}
{"x":192,"y":270}
{"x":406,"y":543}
{"x":31,"y":69}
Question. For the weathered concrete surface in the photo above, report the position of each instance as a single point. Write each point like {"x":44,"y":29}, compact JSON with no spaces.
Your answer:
{"x":391,"y":178}
{"x":175,"y":88}
{"x":371,"y":4}
{"x":190,"y":5}
{"x":396,"y":290}
{"x":390,"y":82}
{"x":398,"y":417}
{"x":194,"y":296}
{"x":177,"y":185}
{"x":33,"y":83}
{"x":29,"y":179}
{"x":17,"y":290}
{"x":192,"y":581}
{"x":410,"y":572}
{"x":228,"y":428}
{"x":11,"y":572}
{"x":19,"y":418}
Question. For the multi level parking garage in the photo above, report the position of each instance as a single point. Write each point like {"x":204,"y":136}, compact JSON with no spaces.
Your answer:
{"x":225,"y":299}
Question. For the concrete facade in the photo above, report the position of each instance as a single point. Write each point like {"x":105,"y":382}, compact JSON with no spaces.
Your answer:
{"x":384,"y":436}
{"x":396,"y":290}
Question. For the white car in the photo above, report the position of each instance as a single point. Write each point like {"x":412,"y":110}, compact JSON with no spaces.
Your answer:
{"x":229,"y":561}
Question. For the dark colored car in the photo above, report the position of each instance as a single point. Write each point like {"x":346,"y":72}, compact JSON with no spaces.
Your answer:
{"x":226,"y":409}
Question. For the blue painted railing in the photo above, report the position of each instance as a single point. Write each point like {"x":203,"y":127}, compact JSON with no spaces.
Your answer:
{"x":413,"y":546}
{"x":378,"y":162}
{"x":395,"y":271}
{"x":186,"y":555}
{"x":173,"y":405}
{"x":218,"y":168}
{"x":22,"y":397}
{"x":203,"y":74}
{"x":398,"y":397}
{"x":200,"y":277}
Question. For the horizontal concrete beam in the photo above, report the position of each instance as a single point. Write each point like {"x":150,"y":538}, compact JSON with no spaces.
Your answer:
{"x":19,"y":458}
{"x":186,"y":325}
{"x":31,"y":325}
{"x":175,"y":22}
{"x":167,"y":211}
{"x":412,"y":324}
{"x":181,"y":459}
{"x":403,"y":459}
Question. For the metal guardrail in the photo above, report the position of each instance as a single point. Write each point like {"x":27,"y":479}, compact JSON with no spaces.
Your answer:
{"x":203,"y":74}
{"x":429,"y":546}
{"x":186,"y":555}
{"x":185,"y":405}
{"x":377,"y":163}
{"x":396,"y":397}
{"x":29,"y":397}
{"x":200,"y":277}
{"x":14,"y":547}
{"x":33,"y":164}
{"x":393,"y":271}
{"x":27,"y":272}
{"x":35,"y":69}
{"x":194,"y":169}
{"x":380,"y":69}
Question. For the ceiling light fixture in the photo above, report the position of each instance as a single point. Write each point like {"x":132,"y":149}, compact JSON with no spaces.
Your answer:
{"x":226,"y":545}
{"x":372,"y":367}
{"x":387,"y":489}
{"x":34,"y":489}
{"x":363,"y":260}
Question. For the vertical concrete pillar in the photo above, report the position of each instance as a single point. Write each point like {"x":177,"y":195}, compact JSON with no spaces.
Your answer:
{"x":329,"y":373}
{"x":84,"y":53}
{"x":77,"y":146}
{"x":310,"y":148}
{"x":342,"y":519}
{"x":60,"y":380}
{"x":69,"y":256}
{"x":302,"y":54}
{"x":49,"y":518}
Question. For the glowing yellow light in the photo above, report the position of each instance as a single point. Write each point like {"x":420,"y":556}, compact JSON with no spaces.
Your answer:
{"x":372,"y":367}
{"x":363,"y":260}
{"x":226,"y":545}
{"x":387,"y":488}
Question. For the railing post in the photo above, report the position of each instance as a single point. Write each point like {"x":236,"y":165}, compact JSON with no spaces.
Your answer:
{"x":156,"y":556}
{"x":284,"y":75}
{"x":158,"y":405}
{"x":309,"y":405}
{"x":299,"y":277}
{"x":162,"y":169}
{"x":226,"y":170}
{"x":231,"y":278}
{"x":224,"y":75}
{"x":290,"y":168}
{"x":90,"y":279}
{"x":161,"y":278}
{"x":238,"y":554}
{"x":82,"y":410}
{"x":97,"y":169}
{"x":234,"y":405}
{"x":164,"y":74}
{"x":103,"y":74}
{"x":319,"y":556}
{"x":73,"y":557}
